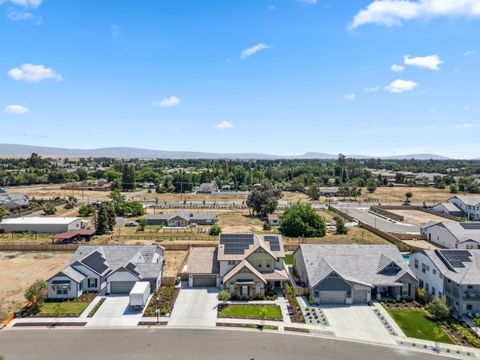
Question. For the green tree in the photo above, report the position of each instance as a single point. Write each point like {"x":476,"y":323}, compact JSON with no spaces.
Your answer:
{"x":3,"y":212}
{"x":128,"y":177}
{"x":262,"y":315}
{"x":408,"y":197}
{"x":105,"y":218}
{"x":37,"y":292}
{"x":263,"y":200}
{"x":454,"y":188}
{"x":142,"y":223}
{"x":438,"y":308}
{"x":340,"y":226}
{"x":215,"y":230}
{"x":371,"y":185}
{"x":302,"y":220}
{"x":224,"y":296}
{"x":313,"y":192}
{"x":86,"y":210}
{"x":49,"y":208}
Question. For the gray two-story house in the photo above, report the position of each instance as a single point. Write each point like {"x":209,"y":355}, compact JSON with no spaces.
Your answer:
{"x":450,"y":274}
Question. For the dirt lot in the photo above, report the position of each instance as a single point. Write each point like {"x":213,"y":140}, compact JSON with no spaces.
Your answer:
{"x":50,"y":191}
{"x":416,"y":217}
{"x":173,"y":261}
{"x":235,"y":222}
{"x":397,"y":194}
{"x":19,"y":270}
{"x":355,"y":236}
{"x":26,"y":238}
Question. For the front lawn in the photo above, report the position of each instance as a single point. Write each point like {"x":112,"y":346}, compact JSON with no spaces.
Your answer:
{"x":273,"y":312}
{"x":417,"y":324}
{"x":62,"y":309}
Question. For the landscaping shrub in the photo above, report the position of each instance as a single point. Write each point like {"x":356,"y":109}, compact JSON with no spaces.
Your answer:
{"x":438,"y":308}
{"x":224,"y":296}
{"x":215,"y":230}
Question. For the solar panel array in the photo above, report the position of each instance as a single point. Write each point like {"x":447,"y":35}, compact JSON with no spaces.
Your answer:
{"x":96,"y":262}
{"x":273,"y":241}
{"x":457,"y":258}
{"x":236,"y":243}
{"x":131,"y":267}
{"x":471,"y":225}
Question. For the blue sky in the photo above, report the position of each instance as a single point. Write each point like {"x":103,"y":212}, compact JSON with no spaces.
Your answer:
{"x":277,"y":76}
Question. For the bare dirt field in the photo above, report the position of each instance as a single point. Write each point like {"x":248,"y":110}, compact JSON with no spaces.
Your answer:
{"x":52,"y":191}
{"x":173,"y":261}
{"x":397,"y":194}
{"x":19,"y":270}
{"x":235,"y":222}
{"x":26,"y":238}
{"x":144,"y":195}
{"x":355,"y":235}
{"x":416,"y":217}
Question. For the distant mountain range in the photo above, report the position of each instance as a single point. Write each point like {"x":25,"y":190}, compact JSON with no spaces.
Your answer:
{"x":16,"y":151}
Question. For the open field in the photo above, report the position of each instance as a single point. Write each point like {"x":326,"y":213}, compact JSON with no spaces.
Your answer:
{"x":173,"y":261}
{"x":52,"y":191}
{"x":144,"y":195}
{"x":417,"y":217}
{"x":397,"y":194}
{"x":19,"y":270}
{"x":355,"y":235}
{"x":235,"y":222}
{"x":26,"y":238}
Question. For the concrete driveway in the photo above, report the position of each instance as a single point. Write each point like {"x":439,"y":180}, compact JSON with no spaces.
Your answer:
{"x":195,"y":307}
{"x":114,"y":312}
{"x":357,"y":322}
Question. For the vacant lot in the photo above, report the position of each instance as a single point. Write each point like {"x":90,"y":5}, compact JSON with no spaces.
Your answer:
{"x":397,"y":194}
{"x":416,"y":217}
{"x":173,"y":261}
{"x":26,"y":238}
{"x":167,"y":197}
{"x":19,"y":270}
{"x":52,"y":191}
{"x":355,"y":235}
{"x":236,"y":222}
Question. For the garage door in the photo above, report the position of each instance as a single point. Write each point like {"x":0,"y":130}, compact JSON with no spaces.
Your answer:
{"x":121,"y":287}
{"x":333,"y":297}
{"x":360,"y":296}
{"x":204,"y":280}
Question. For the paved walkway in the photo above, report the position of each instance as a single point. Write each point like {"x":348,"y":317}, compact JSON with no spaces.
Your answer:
{"x":195,"y":307}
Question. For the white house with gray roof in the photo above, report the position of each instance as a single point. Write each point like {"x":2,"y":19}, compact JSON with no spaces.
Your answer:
{"x":115,"y":268}
{"x":452,"y":234}
{"x":450,"y":274}
{"x":346,"y":274}
{"x":181,"y":219}
{"x":470,"y":205}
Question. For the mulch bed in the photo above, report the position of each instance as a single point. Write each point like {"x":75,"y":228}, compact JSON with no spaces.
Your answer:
{"x":294,"y":309}
{"x":168,"y":295}
{"x":49,"y":324}
{"x":96,"y":307}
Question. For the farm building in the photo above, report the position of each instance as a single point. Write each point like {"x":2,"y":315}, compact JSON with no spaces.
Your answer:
{"x":42,"y":224}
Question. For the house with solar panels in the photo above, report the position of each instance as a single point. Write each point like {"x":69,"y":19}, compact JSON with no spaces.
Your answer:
{"x":452,"y":234}
{"x":247,"y":265}
{"x":450,"y":274}
{"x":115,"y":268}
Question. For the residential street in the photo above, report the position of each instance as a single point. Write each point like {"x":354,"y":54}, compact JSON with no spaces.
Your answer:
{"x":185,"y":344}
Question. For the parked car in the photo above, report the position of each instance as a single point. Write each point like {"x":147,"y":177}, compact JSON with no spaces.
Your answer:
{"x":132,"y":224}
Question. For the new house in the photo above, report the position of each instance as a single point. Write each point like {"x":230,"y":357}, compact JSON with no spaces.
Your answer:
{"x":12,"y":201}
{"x":42,"y":224}
{"x":448,"y":209}
{"x":247,"y":265}
{"x":450,"y":274}
{"x":181,"y":219}
{"x":469,"y":205}
{"x":452,"y":234}
{"x":115,"y":268}
{"x":346,"y":274}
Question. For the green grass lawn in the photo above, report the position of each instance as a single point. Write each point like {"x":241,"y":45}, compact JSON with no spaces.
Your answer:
{"x":289,"y":259}
{"x":69,"y":309}
{"x":252,"y":311}
{"x":417,"y":324}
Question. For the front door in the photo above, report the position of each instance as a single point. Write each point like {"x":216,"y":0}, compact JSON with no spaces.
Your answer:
{"x":244,"y":290}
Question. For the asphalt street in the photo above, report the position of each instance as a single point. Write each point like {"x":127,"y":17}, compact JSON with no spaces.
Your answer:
{"x":106,"y":344}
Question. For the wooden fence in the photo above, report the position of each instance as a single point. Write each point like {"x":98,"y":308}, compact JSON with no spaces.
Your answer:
{"x":168,"y":281}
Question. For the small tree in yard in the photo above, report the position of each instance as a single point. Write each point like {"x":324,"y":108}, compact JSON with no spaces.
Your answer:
{"x":224,"y":296}
{"x":438,"y":308}
{"x":302,"y":220}
{"x":215,"y":230}
{"x":454,"y":188}
{"x":263,"y":200}
{"x":408,"y":196}
{"x":37,"y":292}
{"x":262,"y":314}
{"x":371,"y":185}
{"x":3,"y":212}
{"x":142,"y":223}
{"x":49,"y":209}
{"x":341,"y":229}
{"x":86,"y":210}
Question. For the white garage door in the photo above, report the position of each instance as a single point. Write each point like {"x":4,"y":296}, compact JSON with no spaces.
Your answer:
{"x":333,"y":297}
{"x":204,"y":280}
{"x":360,"y":296}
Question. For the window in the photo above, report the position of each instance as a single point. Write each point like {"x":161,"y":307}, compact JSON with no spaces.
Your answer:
{"x":259,"y":265}
{"x":316,"y":294}
{"x":420,"y":283}
{"x":416,"y":263}
{"x":268,"y":265}
{"x":257,"y":288}
{"x":469,"y":307}
{"x":231,"y":262}
{"x":92,"y":282}
{"x":62,"y":289}
{"x":423,"y":268}
{"x":405,"y":291}
{"x":434,"y":272}
{"x":433,"y":291}
{"x":426,"y":287}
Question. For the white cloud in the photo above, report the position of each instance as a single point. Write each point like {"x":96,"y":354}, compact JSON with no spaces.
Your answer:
{"x":469,"y":53}
{"x":15,"y":15}
{"x":349,"y":97}
{"x":466,"y":126}
{"x":33,"y":73}
{"x":372,"y":89}
{"x":399,"y":86}
{"x":168,"y":102}
{"x":224,"y":125}
{"x":24,"y":3}
{"x":431,"y":62}
{"x":397,"y":68}
{"x":308,"y":2}
{"x":395,"y":12}
{"x":16,"y":109}
{"x":253,"y":50}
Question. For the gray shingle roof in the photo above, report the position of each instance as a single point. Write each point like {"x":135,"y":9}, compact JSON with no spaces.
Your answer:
{"x":183,"y":214}
{"x":468,"y":275}
{"x":468,"y":200}
{"x":450,"y":207}
{"x":462,"y":231}
{"x":363,"y":264}
{"x":73,"y":274}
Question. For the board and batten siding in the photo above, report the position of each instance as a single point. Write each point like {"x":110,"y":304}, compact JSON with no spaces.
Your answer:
{"x":72,"y":294}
